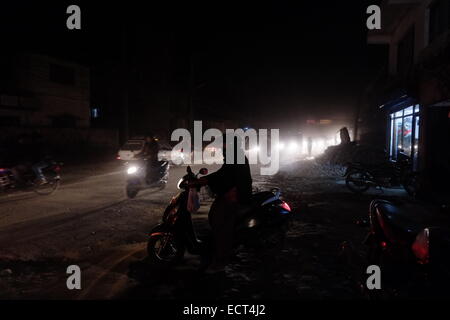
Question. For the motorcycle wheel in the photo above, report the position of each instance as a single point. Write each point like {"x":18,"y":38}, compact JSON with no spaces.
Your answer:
{"x":164,"y":248}
{"x":356,"y":181}
{"x":47,"y":188}
{"x":131,"y":191}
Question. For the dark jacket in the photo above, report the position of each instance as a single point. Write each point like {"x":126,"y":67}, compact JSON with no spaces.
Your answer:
{"x":230,"y":176}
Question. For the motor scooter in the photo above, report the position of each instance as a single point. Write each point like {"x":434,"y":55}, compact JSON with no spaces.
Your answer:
{"x":169,"y":240}
{"x":138,"y":178}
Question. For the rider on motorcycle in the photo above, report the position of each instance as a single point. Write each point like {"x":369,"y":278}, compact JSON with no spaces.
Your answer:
{"x":150,"y":153}
{"x":28,"y":153}
{"x":232,"y":184}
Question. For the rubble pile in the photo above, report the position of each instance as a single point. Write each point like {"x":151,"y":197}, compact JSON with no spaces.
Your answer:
{"x":351,"y":152}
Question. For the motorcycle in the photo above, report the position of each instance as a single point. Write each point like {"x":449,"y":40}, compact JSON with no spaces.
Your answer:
{"x":169,"y":240}
{"x":138,"y":179}
{"x":359,"y":177}
{"x":8,"y":181}
{"x":393,"y":238}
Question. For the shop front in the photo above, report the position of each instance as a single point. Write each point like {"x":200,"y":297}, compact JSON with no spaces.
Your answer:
{"x":404,"y":132}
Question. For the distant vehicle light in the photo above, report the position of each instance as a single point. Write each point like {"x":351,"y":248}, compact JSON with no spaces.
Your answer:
{"x":293,"y":146}
{"x":132,"y":169}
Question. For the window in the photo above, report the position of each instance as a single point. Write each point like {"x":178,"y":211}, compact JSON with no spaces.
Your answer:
{"x":95,"y":113}
{"x":404,"y":132}
{"x":62,"y":74}
{"x":439,"y":18}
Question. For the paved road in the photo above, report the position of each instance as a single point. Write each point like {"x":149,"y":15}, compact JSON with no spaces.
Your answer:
{"x":90,"y":223}
{"x":27,"y":216}
{"x":87,"y":221}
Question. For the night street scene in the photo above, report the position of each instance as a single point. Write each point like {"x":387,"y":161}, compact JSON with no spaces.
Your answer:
{"x":214,"y":153}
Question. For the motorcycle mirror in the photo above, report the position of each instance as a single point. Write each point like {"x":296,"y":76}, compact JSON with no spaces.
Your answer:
{"x":188,"y":169}
{"x":203,"y":171}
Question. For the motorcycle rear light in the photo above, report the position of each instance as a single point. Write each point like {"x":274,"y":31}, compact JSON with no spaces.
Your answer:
{"x":57,"y":169}
{"x":118,"y":157}
{"x":285,"y":206}
{"x":383,"y":244}
{"x":421,"y":246}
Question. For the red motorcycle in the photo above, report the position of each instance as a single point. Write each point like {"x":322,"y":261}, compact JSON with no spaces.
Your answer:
{"x":169,"y":240}
{"x":395,"y":239}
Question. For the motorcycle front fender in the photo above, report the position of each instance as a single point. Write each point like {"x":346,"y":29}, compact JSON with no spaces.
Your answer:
{"x":134,"y":180}
{"x":160,"y":229}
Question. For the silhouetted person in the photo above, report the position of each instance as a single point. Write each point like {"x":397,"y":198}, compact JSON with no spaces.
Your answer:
{"x":232,"y":184}
{"x":344,"y":135}
{"x":150,"y":153}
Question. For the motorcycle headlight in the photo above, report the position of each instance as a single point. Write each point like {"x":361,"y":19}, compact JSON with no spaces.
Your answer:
{"x":132,"y":169}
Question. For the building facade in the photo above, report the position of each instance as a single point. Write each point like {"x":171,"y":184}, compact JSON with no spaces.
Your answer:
{"x":42,"y":91}
{"x":52,"y":97}
{"x":414,"y":95}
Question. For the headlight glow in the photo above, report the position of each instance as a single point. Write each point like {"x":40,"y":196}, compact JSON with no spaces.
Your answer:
{"x":132,"y":169}
{"x":293,"y":146}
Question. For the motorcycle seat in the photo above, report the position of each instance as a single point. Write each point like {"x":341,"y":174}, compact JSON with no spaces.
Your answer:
{"x":395,"y":223}
{"x":258,"y":198}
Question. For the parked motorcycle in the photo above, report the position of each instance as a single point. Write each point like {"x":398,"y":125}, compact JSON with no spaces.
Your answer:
{"x":9,"y":183}
{"x":138,"y":178}
{"x":169,"y":240}
{"x":394,"y":238}
{"x":359,"y":177}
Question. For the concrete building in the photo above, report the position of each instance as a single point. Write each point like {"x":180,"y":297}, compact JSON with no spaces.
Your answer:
{"x":49,"y":95}
{"x":41,"y":91}
{"x":413,"y":96}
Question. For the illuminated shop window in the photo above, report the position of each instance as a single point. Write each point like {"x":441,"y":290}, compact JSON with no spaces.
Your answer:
{"x":404,"y":132}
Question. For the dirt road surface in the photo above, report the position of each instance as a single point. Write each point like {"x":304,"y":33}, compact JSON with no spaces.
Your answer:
{"x":90,"y":223}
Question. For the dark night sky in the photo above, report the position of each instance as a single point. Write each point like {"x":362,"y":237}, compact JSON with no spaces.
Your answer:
{"x":283,"y":60}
